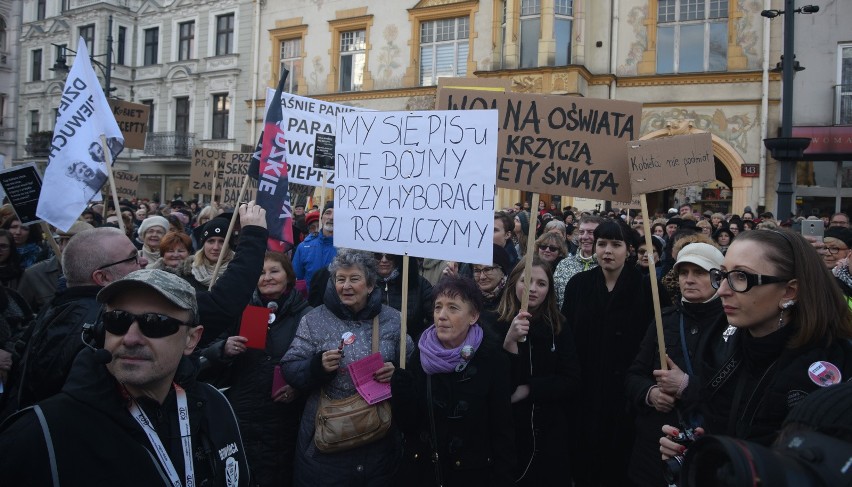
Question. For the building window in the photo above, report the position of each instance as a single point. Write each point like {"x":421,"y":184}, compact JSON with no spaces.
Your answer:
{"x":530,"y":32}
{"x":843,"y":102}
{"x":41,"y":9}
{"x":87,"y":32}
{"x":444,"y":47}
{"x":221,"y":109}
{"x":353,"y":56}
{"x":291,"y":58}
{"x":186,"y":40}
{"x":152,"y":44}
{"x":562,"y":22}
{"x":224,"y":34}
{"x":2,"y":109}
{"x":122,"y":45}
{"x":692,"y":36}
{"x":34,"y":121}
{"x":3,"y":41}
{"x":150,"y":104}
{"x":182,"y":115}
{"x":36,"y":65}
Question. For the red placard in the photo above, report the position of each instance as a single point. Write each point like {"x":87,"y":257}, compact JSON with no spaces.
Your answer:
{"x":253,"y":326}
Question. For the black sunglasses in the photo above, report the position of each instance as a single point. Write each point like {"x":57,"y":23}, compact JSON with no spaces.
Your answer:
{"x":552,"y":248}
{"x":152,"y":325}
{"x":132,"y":258}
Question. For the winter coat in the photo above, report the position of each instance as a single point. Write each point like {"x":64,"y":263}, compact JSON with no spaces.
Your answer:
{"x":320,"y":330}
{"x":269,"y":428}
{"x":566,"y":269}
{"x":473,"y":422}
{"x":314,"y":253}
{"x":608,"y":328}
{"x":97,"y":442}
{"x":698,"y":319}
{"x":419,"y":298}
{"x":39,"y":282}
{"x":768,"y":379}
{"x":547,"y":363}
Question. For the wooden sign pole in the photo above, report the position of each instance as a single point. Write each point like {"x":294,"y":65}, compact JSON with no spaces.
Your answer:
{"x":655,"y":293}
{"x":229,"y":233}
{"x":404,"y":311}
{"x":528,"y":258}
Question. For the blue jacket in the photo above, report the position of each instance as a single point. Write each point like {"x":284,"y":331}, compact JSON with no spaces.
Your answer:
{"x":314,"y":253}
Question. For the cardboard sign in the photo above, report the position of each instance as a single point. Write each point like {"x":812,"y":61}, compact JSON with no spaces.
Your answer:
{"x":670,"y":162}
{"x":421,"y":183}
{"x":232,"y":171}
{"x":201,"y":170}
{"x":304,"y":118}
{"x":557,"y":144}
{"x":324,"y":152}
{"x":132,"y":119}
{"x":634,"y":204}
{"x":22,"y":184}
{"x":126,"y":184}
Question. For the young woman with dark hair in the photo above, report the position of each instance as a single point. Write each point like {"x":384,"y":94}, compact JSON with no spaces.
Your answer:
{"x":608,"y":309}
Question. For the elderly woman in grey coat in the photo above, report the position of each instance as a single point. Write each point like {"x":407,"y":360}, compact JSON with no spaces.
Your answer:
{"x":316,"y":365}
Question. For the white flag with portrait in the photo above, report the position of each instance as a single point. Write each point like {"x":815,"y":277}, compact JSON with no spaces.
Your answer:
{"x":76,"y":168}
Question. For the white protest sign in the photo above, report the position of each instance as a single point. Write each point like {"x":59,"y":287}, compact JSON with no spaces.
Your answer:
{"x":421,"y":183}
{"x":303,"y":119}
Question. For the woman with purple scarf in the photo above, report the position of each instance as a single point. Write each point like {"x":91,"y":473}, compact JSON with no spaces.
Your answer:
{"x":453,"y":401}
{"x":545,"y":374}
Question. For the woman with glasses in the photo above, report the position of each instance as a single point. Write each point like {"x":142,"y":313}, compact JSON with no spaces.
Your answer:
{"x":552,"y":248}
{"x":491,"y":281}
{"x":545,"y":375}
{"x":608,"y":308}
{"x":389,"y":284}
{"x":786,"y":335}
{"x":655,"y":394}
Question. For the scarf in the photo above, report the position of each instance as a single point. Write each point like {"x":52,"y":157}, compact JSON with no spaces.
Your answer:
{"x":385,"y":280}
{"x":149,"y":253}
{"x":436,"y":359}
{"x":29,"y":254}
{"x":203,"y":272}
{"x":497,"y":291}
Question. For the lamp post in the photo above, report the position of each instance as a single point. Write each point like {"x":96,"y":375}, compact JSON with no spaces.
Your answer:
{"x":61,"y":66}
{"x":787,"y":149}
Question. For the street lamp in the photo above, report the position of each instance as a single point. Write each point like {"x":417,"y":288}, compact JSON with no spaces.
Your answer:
{"x":61,"y":65}
{"x":787,"y":149}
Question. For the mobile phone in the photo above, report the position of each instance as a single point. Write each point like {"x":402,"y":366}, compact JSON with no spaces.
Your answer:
{"x":813,"y":228}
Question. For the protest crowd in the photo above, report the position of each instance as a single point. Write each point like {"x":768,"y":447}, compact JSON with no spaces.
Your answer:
{"x":103,"y":342}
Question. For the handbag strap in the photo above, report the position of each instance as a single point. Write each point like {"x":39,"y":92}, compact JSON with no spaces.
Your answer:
{"x":433,"y":437}
{"x":376,"y":334}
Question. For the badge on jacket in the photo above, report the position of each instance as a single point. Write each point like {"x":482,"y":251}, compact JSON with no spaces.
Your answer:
{"x":824,"y":373}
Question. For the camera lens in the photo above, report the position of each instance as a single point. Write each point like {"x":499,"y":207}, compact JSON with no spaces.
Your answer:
{"x":672,"y":468}
{"x":715,"y":461}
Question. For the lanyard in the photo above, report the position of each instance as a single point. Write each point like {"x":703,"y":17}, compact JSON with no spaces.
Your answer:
{"x":186,"y":439}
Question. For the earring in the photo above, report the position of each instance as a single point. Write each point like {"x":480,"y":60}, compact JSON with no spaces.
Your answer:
{"x":784,"y":307}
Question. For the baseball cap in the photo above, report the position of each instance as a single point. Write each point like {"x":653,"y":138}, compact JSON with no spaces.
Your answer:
{"x":703,"y":255}
{"x":177,"y":290}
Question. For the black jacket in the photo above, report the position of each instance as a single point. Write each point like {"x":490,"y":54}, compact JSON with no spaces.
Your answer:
{"x":698,"y":320}
{"x":771,"y":376}
{"x":473,"y":422}
{"x":269,"y":428}
{"x":97,"y":442}
{"x":51,"y":345}
{"x":547,"y":363}
{"x":608,"y":328}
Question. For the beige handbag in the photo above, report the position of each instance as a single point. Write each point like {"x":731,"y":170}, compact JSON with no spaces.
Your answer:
{"x":343,"y":424}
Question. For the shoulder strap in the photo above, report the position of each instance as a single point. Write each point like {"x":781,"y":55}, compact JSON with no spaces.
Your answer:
{"x":376,"y":334}
{"x":433,"y":437}
{"x":48,"y":441}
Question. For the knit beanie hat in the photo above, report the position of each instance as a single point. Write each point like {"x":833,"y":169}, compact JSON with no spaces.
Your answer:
{"x":153,"y":221}
{"x":524,"y":218}
{"x":217,"y":227}
{"x":826,"y":410}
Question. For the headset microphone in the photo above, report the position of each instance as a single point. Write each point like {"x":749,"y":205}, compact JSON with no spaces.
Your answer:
{"x":102,"y":356}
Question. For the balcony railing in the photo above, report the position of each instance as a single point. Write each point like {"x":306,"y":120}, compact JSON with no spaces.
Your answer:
{"x":843,"y":104}
{"x":169,"y":144}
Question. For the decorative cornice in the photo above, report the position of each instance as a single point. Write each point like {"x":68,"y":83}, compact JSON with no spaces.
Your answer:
{"x":695,"y":79}
{"x":709,"y":103}
{"x":366,"y":95}
{"x":591,"y":79}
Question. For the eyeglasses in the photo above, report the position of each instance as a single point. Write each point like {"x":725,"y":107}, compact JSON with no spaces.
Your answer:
{"x":379,"y":256}
{"x":484,"y":270}
{"x":741,"y":281}
{"x":132,"y":258}
{"x":152,"y":325}
{"x":551,"y":248}
{"x":831,"y":250}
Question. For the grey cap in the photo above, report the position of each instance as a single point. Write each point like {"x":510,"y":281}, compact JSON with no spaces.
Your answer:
{"x":168,"y":285}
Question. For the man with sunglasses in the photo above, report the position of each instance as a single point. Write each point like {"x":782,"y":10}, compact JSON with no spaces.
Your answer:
{"x":131,"y":411}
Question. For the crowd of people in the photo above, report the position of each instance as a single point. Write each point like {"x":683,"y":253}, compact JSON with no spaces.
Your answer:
{"x":127,"y":355}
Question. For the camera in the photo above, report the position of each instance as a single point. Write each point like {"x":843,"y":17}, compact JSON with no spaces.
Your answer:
{"x":673,"y":466}
{"x":802,"y":458}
